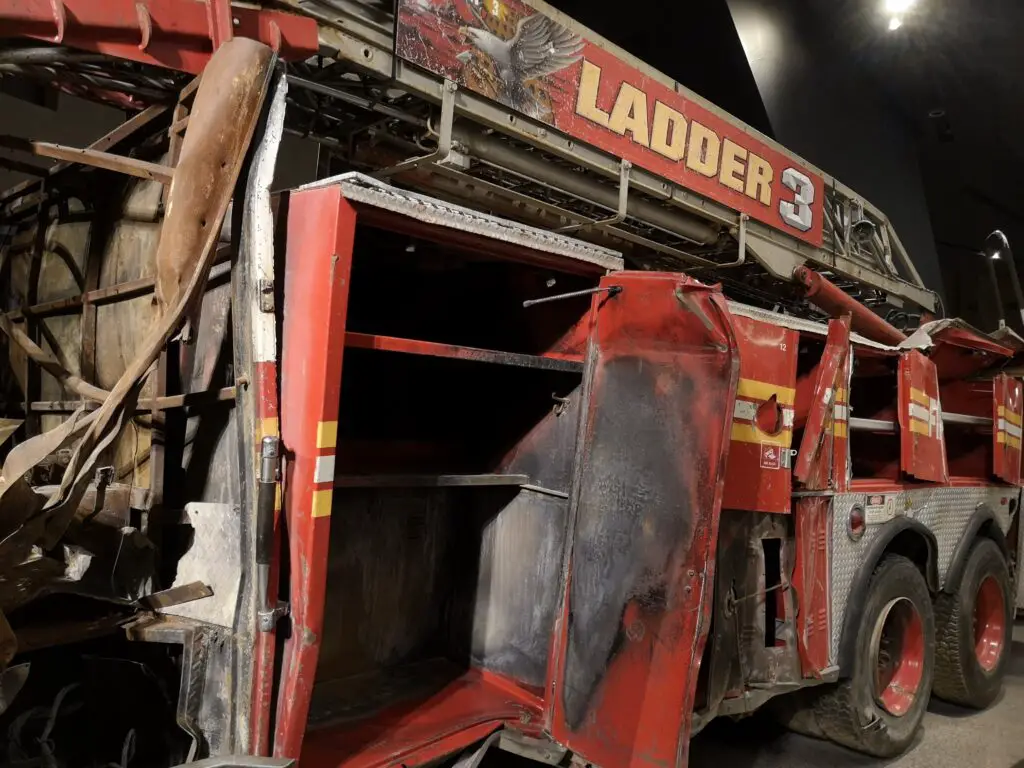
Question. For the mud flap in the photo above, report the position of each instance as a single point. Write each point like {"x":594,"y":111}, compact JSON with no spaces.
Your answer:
{"x":662,"y":377}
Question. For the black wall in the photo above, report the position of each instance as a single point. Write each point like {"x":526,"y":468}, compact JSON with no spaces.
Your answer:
{"x":823,"y":107}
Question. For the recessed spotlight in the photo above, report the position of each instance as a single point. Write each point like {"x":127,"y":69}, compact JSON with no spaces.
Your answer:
{"x":898,"y":7}
{"x":895,"y":23}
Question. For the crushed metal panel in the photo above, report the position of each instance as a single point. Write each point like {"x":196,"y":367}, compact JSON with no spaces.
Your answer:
{"x":636,"y":611}
{"x":359,"y":188}
{"x":215,"y":559}
{"x":922,"y":443}
{"x":812,"y":578}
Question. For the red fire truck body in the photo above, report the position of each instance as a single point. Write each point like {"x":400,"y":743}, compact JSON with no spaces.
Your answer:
{"x":599,"y":415}
{"x":737,"y":488}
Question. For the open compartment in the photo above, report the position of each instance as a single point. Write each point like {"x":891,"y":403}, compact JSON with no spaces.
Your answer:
{"x":456,"y":434}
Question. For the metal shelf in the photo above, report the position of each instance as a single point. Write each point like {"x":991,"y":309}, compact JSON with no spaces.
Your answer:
{"x":456,"y":352}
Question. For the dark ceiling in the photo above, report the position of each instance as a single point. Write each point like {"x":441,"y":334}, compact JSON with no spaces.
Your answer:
{"x":955,"y":71}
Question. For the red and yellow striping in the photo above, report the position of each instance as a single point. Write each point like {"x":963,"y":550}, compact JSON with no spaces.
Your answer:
{"x":841,"y":414}
{"x":925,"y":416}
{"x":1008,"y":427}
{"x":750,"y":395}
{"x":323,"y":474}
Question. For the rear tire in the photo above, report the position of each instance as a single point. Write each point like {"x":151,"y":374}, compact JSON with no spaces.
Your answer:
{"x":973,"y":628}
{"x":880,"y":707}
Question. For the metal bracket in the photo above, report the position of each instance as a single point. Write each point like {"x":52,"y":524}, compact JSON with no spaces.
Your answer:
{"x":624,"y":168}
{"x":443,"y":154}
{"x":265,"y":620}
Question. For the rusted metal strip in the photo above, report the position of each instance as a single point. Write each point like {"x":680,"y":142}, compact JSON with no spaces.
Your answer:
{"x":49,"y":363}
{"x":105,"y":142}
{"x":129,"y":289}
{"x":165,"y":403}
{"x":109,"y":162}
{"x":186,"y":593}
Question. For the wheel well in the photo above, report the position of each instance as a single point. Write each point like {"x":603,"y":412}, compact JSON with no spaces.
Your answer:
{"x":915,"y":547}
{"x":903,"y":536}
{"x":991,"y":530}
{"x":984,"y":526}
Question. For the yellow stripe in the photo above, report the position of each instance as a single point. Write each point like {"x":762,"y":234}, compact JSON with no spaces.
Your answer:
{"x":920,"y":396}
{"x":1010,"y":416}
{"x":762,"y":390}
{"x":277,"y":498}
{"x":327,"y":434}
{"x":1010,"y":440}
{"x":839,"y":429}
{"x":744,"y":432}
{"x":920,"y":427}
{"x":841,"y":396}
{"x":322,"y":502}
{"x":269,"y":427}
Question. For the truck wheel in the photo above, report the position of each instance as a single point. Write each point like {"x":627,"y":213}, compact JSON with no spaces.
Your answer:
{"x":972,"y":630}
{"x":879,"y":708}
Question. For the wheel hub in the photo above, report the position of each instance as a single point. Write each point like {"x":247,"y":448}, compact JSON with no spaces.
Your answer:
{"x":989,"y":624}
{"x":897,"y":656}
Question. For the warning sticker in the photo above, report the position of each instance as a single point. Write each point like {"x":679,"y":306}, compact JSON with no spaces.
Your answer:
{"x":880,"y":508}
{"x":771,"y":456}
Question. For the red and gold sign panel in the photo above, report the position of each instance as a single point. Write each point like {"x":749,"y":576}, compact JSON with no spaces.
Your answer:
{"x":507,"y":51}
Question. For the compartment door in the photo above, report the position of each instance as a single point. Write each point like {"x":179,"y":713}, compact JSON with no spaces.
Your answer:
{"x":758,"y":476}
{"x":922,"y":446}
{"x":662,"y":373}
{"x":1008,"y":408}
{"x":814,"y":462}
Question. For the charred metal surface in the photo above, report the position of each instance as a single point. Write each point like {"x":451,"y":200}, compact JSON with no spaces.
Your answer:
{"x":637,"y":606}
{"x":397,"y":545}
{"x":767,"y":655}
{"x":516,"y":602}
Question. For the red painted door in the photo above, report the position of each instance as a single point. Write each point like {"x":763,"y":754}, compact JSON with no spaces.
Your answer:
{"x":922,"y":444}
{"x":1007,"y":410}
{"x":758,"y":474}
{"x":814,"y":464}
{"x":646,"y":503}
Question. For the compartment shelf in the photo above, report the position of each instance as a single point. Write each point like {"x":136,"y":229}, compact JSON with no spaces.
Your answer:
{"x":433,"y":349}
{"x":428,"y":481}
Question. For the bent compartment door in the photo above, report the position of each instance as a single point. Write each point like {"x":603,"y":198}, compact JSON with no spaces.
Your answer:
{"x":662,"y":375}
{"x":922,"y":445}
{"x":1008,"y":411}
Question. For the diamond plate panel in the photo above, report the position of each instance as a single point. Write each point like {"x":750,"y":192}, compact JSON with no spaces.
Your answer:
{"x":946,"y":512}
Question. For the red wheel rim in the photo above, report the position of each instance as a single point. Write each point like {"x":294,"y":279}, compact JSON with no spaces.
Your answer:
{"x":989,"y":624}
{"x":897,"y":647}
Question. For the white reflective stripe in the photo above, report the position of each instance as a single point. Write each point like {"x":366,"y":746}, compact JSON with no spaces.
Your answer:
{"x":744,"y":410}
{"x":841,"y":412}
{"x":324,"y":472}
{"x":1009,"y":428}
{"x":919,"y":412}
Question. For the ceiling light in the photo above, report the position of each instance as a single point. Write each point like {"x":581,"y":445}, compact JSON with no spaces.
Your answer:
{"x":895,"y":23}
{"x":898,"y":7}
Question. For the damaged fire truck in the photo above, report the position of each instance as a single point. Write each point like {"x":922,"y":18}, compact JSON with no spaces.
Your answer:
{"x":562,"y":414}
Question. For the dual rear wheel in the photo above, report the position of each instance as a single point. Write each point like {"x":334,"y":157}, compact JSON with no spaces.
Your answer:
{"x":909,"y":646}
